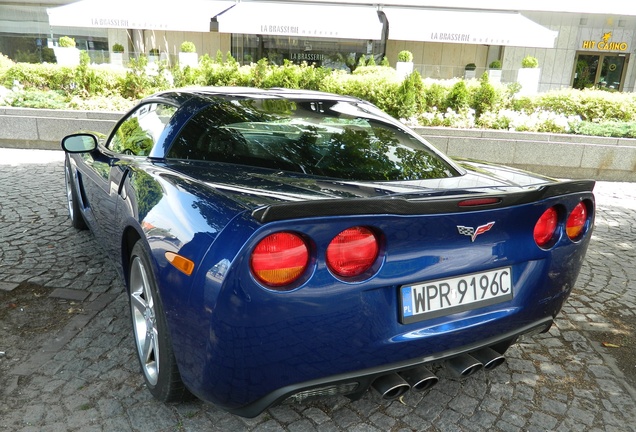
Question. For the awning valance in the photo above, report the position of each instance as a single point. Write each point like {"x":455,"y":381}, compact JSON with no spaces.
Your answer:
{"x":182,"y":15}
{"x":467,"y":27}
{"x":302,"y":20}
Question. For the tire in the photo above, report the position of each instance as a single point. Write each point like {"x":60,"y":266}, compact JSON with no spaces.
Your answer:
{"x":74,"y":211}
{"x":150,"y":332}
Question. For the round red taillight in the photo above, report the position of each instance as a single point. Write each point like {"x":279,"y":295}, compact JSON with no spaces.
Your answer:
{"x":546,"y":227}
{"x":280,"y":259}
{"x":576,"y":221}
{"x":352,"y":252}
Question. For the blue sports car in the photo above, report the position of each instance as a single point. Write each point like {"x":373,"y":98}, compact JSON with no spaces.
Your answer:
{"x":282,"y":244}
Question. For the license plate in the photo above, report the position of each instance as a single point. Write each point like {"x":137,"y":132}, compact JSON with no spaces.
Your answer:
{"x":441,"y":297}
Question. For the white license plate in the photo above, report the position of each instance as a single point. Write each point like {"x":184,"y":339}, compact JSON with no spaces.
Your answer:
{"x":446,"y":296}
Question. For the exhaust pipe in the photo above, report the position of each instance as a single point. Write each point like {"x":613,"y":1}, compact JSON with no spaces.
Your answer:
{"x":419,"y":378}
{"x":464,"y":365}
{"x":489,"y":358}
{"x":390,"y":386}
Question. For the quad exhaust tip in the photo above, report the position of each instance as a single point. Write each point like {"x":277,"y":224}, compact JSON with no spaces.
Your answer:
{"x":489,"y":358}
{"x":391,"y":386}
{"x":419,"y":379}
{"x":464,"y":365}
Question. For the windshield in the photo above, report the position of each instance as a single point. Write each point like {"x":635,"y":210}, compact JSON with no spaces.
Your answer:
{"x":337,"y":139}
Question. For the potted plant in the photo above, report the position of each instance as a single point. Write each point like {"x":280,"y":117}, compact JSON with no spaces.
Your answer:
{"x":153,"y":55}
{"x":494,"y":71}
{"x":469,"y":71}
{"x":529,"y":75}
{"x":188,"y":55}
{"x":404,"y":65}
{"x":66,"y":53}
{"x":117,"y":56}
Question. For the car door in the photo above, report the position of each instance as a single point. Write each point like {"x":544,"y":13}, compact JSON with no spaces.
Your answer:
{"x":103,"y":172}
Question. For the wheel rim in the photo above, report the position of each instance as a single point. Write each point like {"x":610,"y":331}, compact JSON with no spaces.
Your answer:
{"x":144,"y":321}
{"x":69,"y":192}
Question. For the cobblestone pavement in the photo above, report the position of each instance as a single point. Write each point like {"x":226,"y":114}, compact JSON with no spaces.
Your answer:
{"x":85,"y":377}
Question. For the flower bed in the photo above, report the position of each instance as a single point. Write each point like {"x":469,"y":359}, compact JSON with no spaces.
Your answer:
{"x":453,"y":103}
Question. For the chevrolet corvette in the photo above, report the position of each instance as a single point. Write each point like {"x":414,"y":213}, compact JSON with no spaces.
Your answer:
{"x":279,"y":244}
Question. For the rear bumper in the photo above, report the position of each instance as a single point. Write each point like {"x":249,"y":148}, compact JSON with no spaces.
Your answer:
{"x":360,"y":381}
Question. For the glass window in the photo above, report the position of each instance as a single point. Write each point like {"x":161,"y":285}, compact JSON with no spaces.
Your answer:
{"x":328,"y":138}
{"x":326,"y":52}
{"x":140,"y":131}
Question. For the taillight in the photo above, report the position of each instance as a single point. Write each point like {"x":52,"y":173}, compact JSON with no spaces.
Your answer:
{"x":545,"y":227}
{"x":576,"y":221}
{"x":352,"y":252}
{"x":280,"y":259}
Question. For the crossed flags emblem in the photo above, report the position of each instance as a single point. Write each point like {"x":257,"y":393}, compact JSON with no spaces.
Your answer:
{"x":472,"y":232}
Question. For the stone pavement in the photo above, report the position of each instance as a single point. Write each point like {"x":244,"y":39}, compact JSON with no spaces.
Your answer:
{"x":85,"y":377}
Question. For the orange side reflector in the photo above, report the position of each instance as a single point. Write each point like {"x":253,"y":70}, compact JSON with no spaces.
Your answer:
{"x":182,"y":264}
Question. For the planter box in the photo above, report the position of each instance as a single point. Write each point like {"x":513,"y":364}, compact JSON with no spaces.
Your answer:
{"x":188,"y":59}
{"x":153,"y":58}
{"x":117,"y":59}
{"x":494,"y":75}
{"x":529,"y":80}
{"x":470,"y":74}
{"x":66,"y":56}
{"x":404,"y":69}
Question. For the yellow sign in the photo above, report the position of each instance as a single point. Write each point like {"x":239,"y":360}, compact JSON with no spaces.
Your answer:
{"x":605,"y":44}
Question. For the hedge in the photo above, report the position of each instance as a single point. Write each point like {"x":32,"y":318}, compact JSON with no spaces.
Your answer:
{"x":458,"y":103}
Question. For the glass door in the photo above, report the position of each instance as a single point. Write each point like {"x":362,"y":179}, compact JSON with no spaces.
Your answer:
{"x":611,"y":73}
{"x":604,"y":71}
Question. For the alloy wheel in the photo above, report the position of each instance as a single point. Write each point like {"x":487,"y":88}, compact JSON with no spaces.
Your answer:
{"x":142,"y":306}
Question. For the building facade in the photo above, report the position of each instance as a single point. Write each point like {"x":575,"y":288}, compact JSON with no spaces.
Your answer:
{"x":578,"y":44}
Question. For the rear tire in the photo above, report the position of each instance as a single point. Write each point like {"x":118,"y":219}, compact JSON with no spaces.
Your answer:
{"x":152,"y":341}
{"x":74,"y":211}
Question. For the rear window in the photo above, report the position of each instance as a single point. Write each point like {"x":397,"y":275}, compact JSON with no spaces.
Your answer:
{"x":335,"y":139}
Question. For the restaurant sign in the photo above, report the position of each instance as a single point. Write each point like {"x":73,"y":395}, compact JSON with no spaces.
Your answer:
{"x":605,"y":44}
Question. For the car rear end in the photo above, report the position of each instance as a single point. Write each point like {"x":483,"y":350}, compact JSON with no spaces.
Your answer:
{"x":334,"y":296}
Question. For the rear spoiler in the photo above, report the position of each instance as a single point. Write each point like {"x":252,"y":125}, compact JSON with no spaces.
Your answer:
{"x":398,"y":205}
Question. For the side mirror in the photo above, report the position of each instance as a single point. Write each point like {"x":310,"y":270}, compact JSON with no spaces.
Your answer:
{"x":79,"y":143}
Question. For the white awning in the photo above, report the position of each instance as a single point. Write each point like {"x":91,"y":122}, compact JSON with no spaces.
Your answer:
{"x":182,"y":15}
{"x":467,"y":27}
{"x":308,"y":20}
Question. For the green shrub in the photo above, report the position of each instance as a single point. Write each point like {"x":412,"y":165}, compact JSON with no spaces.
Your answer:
{"x":385,"y":62}
{"x":188,"y":47}
{"x":470,"y":67}
{"x":219,"y":57}
{"x":362,"y":62}
{"x":529,"y":62}
{"x":495,"y":64}
{"x":40,"y":99}
{"x":154,"y":52}
{"x":118,"y":48}
{"x":485,"y":97}
{"x":410,"y":92}
{"x":458,"y":98}
{"x":286,"y":76}
{"x":39,"y":77}
{"x":607,"y":129}
{"x":371,"y":61}
{"x":66,"y":42}
{"x":377,"y":89}
{"x":225,"y":74}
{"x":405,"y":56}
{"x":436,"y":96}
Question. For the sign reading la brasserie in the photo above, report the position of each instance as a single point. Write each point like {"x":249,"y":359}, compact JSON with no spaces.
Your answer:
{"x":605,"y":44}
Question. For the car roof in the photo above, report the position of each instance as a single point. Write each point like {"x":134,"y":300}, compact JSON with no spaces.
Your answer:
{"x":179,"y":96}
